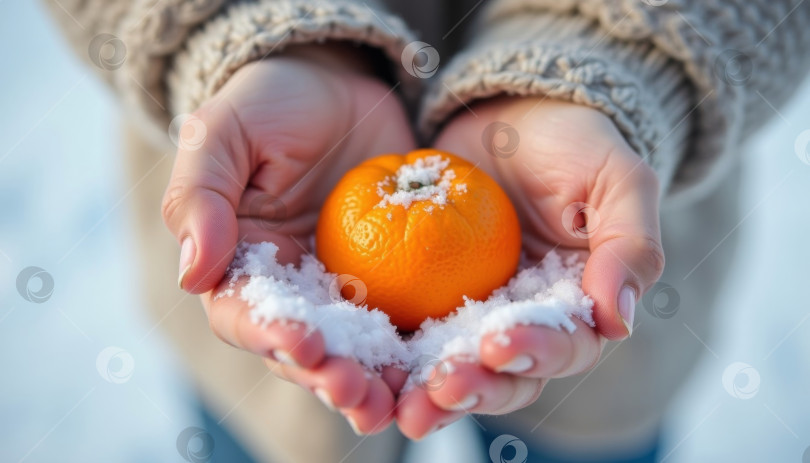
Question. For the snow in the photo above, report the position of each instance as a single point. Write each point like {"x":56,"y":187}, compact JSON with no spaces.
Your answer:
{"x":548,"y":294}
{"x":426,"y":179}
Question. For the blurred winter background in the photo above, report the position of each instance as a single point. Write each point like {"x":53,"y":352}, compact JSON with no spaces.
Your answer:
{"x":85,"y":378}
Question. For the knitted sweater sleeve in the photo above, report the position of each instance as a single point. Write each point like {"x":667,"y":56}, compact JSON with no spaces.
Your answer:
{"x":683,"y":80}
{"x":165,"y":57}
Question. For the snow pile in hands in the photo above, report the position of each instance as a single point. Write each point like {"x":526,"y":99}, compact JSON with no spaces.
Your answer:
{"x":548,"y":294}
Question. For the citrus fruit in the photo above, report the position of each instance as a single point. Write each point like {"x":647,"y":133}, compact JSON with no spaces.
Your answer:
{"x":420,"y":231}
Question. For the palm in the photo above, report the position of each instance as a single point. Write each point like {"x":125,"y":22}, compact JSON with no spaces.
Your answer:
{"x":302,"y":130}
{"x":551,"y":173}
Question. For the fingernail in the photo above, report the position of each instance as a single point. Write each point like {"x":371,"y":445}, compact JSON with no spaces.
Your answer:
{"x":465,"y":404}
{"x":520,"y":364}
{"x":187,"y":251}
{"x":353,"y":424}
{"x":325,"y":398}
{"x":627,"y":307}
{"x":284,"y":357}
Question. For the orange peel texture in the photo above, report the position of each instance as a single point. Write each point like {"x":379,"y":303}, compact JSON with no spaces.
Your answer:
{"x":421,"y":231}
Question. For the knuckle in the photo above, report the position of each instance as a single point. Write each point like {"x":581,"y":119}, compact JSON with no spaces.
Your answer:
{"x":591,"y":363}
{"x":173,"y":199}
{"x":594,"y":355}
{"x":240,"y":325}
{"x":214,"y":327}
{"x":524,"y":392}
{"x":570,"y":361}
{"x":647,"y":177}
{"x":655,"y":260}
{"x":634,"y":169}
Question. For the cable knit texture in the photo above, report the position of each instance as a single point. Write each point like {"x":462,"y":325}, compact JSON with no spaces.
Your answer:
{"x":250,"y":31}
{"x":726,"y":51}
{"x":683,"y":80}
{"x":635,"y":84}
{"x":179,"y":52}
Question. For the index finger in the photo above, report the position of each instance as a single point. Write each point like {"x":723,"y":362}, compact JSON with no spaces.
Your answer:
{"x":626,"y":256}
{"x":210,"y":172}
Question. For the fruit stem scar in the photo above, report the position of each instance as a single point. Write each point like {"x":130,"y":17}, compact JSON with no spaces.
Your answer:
{"x":415,"y":185}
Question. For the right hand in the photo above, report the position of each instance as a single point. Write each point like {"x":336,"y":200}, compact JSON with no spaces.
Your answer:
{"x":566,"y":155}
{"x":281,"y":132}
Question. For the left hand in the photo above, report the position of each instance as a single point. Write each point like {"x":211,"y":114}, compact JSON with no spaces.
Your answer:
{"x":566,"y":157}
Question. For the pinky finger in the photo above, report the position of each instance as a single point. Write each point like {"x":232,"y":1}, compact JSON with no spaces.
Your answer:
{"x":376,"y":412}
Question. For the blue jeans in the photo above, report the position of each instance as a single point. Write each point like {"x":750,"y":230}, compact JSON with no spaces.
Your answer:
{"x":226,"y":447}
{"x":506,"y":448}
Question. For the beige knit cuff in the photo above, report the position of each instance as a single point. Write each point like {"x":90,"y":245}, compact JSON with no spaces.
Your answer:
{"x":247,"y":32}
{"x":569,"y":58}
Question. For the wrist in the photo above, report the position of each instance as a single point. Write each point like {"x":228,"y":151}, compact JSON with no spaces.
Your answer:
{"x":537,"y":116}
{"x":335,"y":56}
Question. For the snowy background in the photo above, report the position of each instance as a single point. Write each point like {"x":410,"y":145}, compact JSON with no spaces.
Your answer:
{"x":85,"y":379}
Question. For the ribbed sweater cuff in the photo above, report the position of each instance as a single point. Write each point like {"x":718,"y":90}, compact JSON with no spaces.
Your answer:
{"x":570,"y":58}
{"x":247,"y":32}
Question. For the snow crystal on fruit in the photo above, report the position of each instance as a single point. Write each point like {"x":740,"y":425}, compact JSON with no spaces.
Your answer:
{"x":426,"y":179}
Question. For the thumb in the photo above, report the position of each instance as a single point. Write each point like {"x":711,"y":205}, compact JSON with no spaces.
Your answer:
{"x":626,"y":254}
{"x":199,"y":206}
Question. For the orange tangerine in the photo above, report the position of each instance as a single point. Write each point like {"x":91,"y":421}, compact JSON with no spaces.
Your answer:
{"x":421,"y":231}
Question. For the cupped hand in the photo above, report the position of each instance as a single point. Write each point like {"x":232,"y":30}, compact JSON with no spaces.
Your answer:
{"x":254,"y":164}
{"x":578,"y":187}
